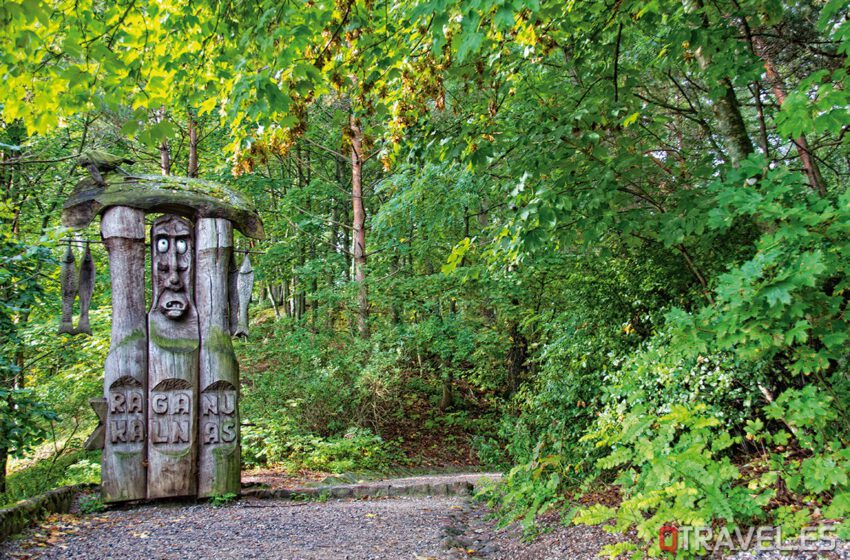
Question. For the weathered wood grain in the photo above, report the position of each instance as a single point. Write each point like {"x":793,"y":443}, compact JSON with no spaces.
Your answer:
{"x":219,"y":452}
{"x":125,"y":370}
{"x":97,"y":438}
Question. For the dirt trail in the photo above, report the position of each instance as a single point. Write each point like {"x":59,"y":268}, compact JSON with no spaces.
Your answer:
{"x":251,"y":528}
{"x":416,"y":518}
{"x":421,"y":520}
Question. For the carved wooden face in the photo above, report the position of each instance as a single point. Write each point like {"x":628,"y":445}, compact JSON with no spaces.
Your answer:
{"x":172,"y":259}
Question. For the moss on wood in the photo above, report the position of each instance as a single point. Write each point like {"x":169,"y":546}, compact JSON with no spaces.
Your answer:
{"x":193,"y":198}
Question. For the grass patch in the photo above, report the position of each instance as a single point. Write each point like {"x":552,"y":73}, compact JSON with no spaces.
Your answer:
{"x":73,"y":467}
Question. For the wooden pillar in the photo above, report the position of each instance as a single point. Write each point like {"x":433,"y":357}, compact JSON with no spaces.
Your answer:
{"x":219,"y":457}
{"x":173,"y":357}
{"x":125,"y":370}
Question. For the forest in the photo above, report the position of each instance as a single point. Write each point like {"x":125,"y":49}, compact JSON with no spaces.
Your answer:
{"x":601,"y":246}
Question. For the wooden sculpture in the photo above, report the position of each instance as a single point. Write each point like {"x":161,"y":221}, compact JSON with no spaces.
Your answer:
{"x":170,"y":415}
{"x":86,"y":290}
{"x":244,"y":287}
{"x":68,"y":277}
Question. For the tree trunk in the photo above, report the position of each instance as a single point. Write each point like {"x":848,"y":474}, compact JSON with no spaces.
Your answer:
{"x":7,"y":382}
{"x":124,"y":463}
{"x":346,"y":243}
{"x":810,"y":165}
{"x":273,"y":302}
{"x":447,"y":395}
{"x":726,"y":110}
{"x":517,"y":356}
{"x":300,"y":284}
{"x":287,"y":304}
{"x":331,"y":308}
{"x":192,"y":169}
{"x":314,"y":280}
{"x":164,"y":158}
{"x":359,"y":227}
{"x":732,"y":127}
{"x":342,"y":217}
{"x":219,"y":456}
{"x":164,"y":151}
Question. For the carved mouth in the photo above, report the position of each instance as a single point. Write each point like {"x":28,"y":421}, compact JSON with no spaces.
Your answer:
{"x":173,"y":306}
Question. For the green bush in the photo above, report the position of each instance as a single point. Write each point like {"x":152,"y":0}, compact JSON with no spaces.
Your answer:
{"x":676,"y":468}
{"x":659,"y":377}
{"x":356,"y":450}
{"x":91,"y":503}
{"x":84,"y":471}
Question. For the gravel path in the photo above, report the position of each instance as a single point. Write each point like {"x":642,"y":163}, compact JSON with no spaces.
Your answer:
{"x":419,"y":527}
{"x":345,"y":529}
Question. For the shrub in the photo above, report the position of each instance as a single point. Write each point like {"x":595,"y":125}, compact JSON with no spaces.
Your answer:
{"x":277,"y":444}
{"x":676,"y":468}
{"x":84,"y":471}
{"x":91,"y":503}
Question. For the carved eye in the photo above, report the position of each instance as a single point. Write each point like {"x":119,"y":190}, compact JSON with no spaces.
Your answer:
{"x":181,"y":246}
{"x":161,"y":245}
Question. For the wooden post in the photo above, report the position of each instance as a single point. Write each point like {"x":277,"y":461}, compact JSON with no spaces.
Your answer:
{"x":219,"y":455}
{"x":125,"y":370}
{"x":173,"y":355}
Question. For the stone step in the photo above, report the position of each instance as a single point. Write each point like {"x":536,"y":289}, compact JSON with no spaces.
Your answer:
{"x":459,"y":485}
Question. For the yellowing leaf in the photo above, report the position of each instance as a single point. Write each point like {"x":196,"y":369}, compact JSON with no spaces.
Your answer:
{"x":208,"y":105}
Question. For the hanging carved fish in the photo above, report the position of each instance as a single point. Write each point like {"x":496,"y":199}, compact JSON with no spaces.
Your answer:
{"x":244,"y":287}
{"x":68,"y":276}
{"x":87,"y":276}
{"x":233,"y":294}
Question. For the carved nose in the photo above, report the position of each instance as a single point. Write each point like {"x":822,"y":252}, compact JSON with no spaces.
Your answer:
{"x":172,"y":281}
